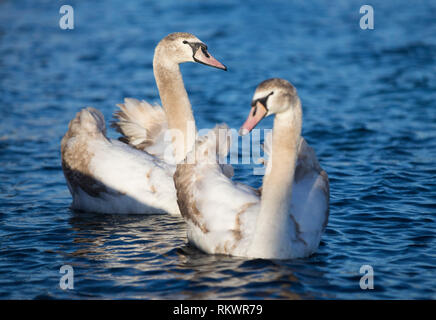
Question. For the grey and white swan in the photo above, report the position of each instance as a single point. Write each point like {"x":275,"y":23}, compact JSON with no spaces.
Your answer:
{"x":286,"y":217}
{"x":110,"y":176}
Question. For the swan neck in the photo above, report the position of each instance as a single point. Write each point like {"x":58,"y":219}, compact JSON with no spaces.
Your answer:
{"x":175,"y":102}
{"x":272,"y":225}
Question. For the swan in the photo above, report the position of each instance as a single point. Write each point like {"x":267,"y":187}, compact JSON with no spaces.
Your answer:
{"x":286,"y":217}
{"x":110,"y":176}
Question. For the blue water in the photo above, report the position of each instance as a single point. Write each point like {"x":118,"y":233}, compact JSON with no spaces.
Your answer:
{"x":369,"y":101}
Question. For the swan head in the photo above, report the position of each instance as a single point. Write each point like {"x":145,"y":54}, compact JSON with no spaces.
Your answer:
{"x":272,"y":96}
{"x":180,"y":47}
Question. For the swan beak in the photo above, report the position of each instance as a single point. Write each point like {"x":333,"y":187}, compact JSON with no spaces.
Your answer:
{"x":257,"y":113}
{"x":204,"y":57}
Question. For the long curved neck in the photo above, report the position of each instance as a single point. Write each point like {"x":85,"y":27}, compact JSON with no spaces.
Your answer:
{"x":273,"y":222}
{"x":176,"y":104}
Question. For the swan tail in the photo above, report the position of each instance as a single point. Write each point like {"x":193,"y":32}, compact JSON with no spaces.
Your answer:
{"x":88,"y":121}
{"x":139,"y":122}
{"x":87,"y":125}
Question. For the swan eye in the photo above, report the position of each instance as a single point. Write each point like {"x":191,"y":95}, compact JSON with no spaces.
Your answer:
{"x":185,"y":42}
{"x":204,"y":50}
{"x":263,"y":101}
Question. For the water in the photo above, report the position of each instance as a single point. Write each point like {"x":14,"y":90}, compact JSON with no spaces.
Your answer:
{"x":369,"y":111}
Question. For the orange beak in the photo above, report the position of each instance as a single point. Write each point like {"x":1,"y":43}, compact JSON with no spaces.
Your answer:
{"x":257,"y":113}
{"x":204,"y":57}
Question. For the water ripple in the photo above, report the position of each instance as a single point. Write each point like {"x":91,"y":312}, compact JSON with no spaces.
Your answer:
{"x":369,"y":112}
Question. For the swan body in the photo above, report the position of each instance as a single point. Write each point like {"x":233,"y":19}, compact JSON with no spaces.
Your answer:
{"x":109,"y":176}
{"x":286,"y":218}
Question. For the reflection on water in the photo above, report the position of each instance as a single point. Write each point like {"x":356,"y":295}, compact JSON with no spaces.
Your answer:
{"x":369,"y":112}
{"x":132,"y":251}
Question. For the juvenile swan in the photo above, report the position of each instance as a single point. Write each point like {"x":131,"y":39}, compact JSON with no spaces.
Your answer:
{"x":109,"y":176}
{"x":286,"y":217}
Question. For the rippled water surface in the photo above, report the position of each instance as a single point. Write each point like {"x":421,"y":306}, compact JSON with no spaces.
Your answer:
{"x":369,"y":101}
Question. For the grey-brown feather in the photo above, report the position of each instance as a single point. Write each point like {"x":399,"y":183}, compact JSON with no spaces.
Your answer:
{"x":76,"y":158}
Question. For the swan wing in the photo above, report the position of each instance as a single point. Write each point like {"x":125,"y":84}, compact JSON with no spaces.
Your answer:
{"x":215,"y":224}
{"x":109,"y":176}
{"x":310,"y":197}
{"x":143,"y":126}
